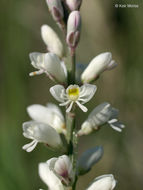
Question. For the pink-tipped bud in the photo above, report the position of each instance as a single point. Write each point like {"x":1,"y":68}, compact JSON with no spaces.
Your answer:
{"x":73,"y":4}
{"x":56,"y":9}
{"x":73,"y":29}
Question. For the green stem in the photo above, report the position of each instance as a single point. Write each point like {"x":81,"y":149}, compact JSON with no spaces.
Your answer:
{"x":71,"y":119}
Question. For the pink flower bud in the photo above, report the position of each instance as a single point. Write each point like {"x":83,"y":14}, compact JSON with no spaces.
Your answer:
{"x":73,"y":4}
{"x":73,"y":29}
{"x":56,"y":9}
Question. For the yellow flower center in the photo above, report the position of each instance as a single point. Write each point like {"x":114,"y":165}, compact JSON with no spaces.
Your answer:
{"x":73,"y":93}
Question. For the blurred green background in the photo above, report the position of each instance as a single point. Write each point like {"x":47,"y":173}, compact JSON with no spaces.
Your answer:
{"x":105,"y":28}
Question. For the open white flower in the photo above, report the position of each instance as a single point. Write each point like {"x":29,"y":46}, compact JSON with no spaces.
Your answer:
{"x":73,"y":95}
{"x":104,"y":182}
{"x":52,"y":41}
{"x":40,"y":132}
{"x":98,"y":65}
{"x":50,"y":114}
{"x":57,"y":173}
{"x":50,"y":64}
{"x":102,"y":114}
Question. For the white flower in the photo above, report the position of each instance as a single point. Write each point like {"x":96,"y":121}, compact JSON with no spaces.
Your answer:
{"x":57,"y":173}
{"x":49,"y":114}
{"x":73,"y":94}
{"x":102,"y":114}
{"x":40,"y":132}
{"x":50,"y":64}
{"x":52,"y":41}
{"x":104,"y":182}
{"x":98,"y":65}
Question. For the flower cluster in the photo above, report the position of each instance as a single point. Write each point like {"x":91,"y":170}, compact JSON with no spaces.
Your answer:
{"x":48,"y":125}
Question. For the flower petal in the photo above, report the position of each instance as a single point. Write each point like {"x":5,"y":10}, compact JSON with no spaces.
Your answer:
{"x":55,"y":67}
{"x":49,"y":114}
{"x":70,"y":107}
{"x":37,"y":60}
{"x":57,"y":91}
{"x":42,"y":133}
{"x":104,"y":182}
{"x":82,"y":107}
{"x":52,"y":40}
{"x":87,"y":91}
{"x":49,"y":178}
{"x":96,"y":67}
{"x":30,"y":146}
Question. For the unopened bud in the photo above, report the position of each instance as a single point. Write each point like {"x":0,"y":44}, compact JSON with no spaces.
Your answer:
{"x":89,"y":158}
{"x":52,"y":41}
{"x":98,"y":65}
{"x":56,"y":9}
{"x":73,"y":4}
{"x":73,"y":29}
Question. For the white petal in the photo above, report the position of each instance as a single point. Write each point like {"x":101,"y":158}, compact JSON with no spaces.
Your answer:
{"x":82,"y":107}
{"x":51,"y":40}
{"x":87,"y":91}
{"x":49,"y":178}
{"x":49,"y":114}
{"x":56,"y":92}
{"x":30,"y":146}
{"x":105,"y":182}
{"x":37,"y":60}
{"x":55,"y":109}
{"x":100,"y":115}
{"x":54,"y":67}
{"x":42,"y":133}
{"x":38,"y":113}
{"x":70,"y":107}
{"x":96,"y":66}
{"x":63,"y":165}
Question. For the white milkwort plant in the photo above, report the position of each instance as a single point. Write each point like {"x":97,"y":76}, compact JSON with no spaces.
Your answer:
{"x":48,"y":125}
